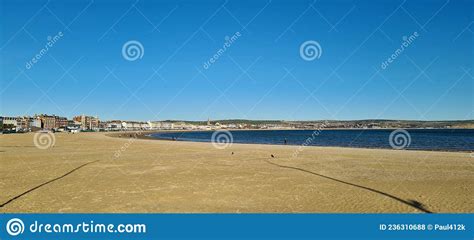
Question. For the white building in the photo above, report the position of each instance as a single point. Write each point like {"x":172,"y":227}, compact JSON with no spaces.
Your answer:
{"x":130,"y":125}
{"x":34,"y":123}
{"x":10,"y":121}
{"x":113,"y":125}
{"x":154,"y":125}
{"x":144,"y":125}
{"x":167,"y":125}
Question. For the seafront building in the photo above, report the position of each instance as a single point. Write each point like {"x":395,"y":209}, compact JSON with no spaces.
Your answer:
{"x":114,"y":125}
{"x":87,"y":122}
{"x":154,"y":124}
{"x":167,"y":125}
{"x":47,"y":121}
{"x":9,"y":121}
{"x":133,"y":125}
{"x":60,"y":122}
{"x":24,"y":123}
{"x":28,"y":123}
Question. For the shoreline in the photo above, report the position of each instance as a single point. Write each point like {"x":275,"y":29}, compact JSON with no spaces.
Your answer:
{"x":145,"y":136}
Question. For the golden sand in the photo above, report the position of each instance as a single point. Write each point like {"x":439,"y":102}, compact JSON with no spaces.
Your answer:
{"x":137,"y":175}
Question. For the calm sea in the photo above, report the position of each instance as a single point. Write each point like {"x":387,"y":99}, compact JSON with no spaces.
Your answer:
{"x":424,"y":139}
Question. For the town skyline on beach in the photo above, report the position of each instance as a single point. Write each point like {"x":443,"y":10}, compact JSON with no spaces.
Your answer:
{"x":94,"y":123}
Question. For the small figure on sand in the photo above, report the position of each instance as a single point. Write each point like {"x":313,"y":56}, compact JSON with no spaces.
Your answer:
{"x":286,"y":141}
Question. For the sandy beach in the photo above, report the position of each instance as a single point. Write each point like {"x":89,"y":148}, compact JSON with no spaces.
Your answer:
{"x":93,"y":172}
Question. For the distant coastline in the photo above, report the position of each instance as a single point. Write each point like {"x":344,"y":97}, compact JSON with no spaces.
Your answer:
{"x":443,"y":140}
{"x":41,"y":122}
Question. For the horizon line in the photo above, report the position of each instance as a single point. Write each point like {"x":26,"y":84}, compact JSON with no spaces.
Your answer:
{"x":249,"y":119}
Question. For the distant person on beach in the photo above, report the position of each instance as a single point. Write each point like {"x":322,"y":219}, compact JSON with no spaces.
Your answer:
{"x":286,"y":141}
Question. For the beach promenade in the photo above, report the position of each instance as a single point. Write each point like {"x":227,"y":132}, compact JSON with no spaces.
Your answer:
{"x":93,"y":172}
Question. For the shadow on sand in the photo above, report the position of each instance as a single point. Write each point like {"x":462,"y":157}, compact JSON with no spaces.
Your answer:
{"x":411,"y":203}
{"x":46,"y":183}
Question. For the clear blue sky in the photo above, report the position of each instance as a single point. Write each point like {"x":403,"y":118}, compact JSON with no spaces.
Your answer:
{"x":85,"y":72}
